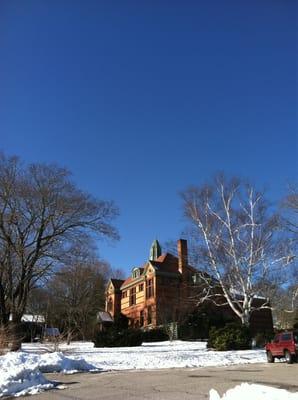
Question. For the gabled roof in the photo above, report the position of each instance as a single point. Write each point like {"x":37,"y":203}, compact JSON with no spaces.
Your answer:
{"x":165,"y":263}
{"x":117,"y":283}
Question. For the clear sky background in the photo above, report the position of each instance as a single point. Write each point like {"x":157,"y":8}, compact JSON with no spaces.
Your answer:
{"x":139,"y":99}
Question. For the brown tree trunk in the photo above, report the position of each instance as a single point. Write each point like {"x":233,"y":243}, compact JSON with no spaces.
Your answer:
{"x":16,"y":334}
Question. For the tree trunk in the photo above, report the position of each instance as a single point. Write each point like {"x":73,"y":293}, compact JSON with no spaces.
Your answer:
{"x":69,"y":335}
{"x":4,"y":315}
{"x":245,"y":318}
{"x":16,"y":334}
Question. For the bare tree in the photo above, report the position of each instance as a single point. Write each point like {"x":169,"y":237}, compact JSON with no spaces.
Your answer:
{"x":238,"y":241}
{"x":76,"y":293}
{"x":42,"y":213}
{"x":289,"y":209}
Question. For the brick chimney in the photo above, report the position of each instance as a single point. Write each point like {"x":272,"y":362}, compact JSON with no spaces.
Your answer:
{"x":182,"y":255}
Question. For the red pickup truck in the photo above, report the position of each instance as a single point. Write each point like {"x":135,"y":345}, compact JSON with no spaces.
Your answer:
{"x":284,"y":345}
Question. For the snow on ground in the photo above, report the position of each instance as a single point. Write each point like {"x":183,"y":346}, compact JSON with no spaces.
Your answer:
{"x":247,"y":391}
{"x":176,"y":354}
{"x":21,"y":372}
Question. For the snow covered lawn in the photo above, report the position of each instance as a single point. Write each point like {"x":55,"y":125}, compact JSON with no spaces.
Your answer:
{"x":176,"y":354}
{"x":21,"y":372}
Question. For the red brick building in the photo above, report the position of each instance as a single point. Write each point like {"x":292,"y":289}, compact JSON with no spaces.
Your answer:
{"x":155,"y":293}
{"x":163,"y":290}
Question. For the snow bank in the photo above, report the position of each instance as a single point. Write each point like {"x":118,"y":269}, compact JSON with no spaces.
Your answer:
{"x":57,"y":362}
{"x":18,"y":377}
{"x":247,"y":391}
{"x":21,"y":373}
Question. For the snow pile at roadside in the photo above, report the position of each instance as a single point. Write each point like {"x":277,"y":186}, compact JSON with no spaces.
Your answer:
{"x":247,"y":391}
{"x":57,"y":362}
{"x":21,"y":373}
{"x":18,"y":377}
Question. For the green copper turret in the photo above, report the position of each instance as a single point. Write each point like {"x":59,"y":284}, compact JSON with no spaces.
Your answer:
{"x":155,"y":250}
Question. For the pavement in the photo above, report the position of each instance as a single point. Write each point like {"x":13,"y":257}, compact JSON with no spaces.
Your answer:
{"x":165,"y":384}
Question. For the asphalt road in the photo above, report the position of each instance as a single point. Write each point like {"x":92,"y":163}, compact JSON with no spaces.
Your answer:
{"x":174,"y":384}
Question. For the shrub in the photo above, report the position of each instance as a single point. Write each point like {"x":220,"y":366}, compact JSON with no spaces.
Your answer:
{"x":155,"y":335}
{"x":199,"y":323}
{"x":232,"y":337}
{"x":115,"y":338}
{"x":130,"y":337}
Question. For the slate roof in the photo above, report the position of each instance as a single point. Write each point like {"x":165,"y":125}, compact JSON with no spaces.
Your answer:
{"x":103,"y":316}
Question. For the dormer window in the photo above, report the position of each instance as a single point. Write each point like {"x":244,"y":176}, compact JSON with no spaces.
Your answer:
{"x":136,"y":273}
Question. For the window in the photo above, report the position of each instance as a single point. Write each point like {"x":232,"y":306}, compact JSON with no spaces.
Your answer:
{"x":124,"y":294}
{"x":196,"y":279}
{"x":132,"y":298}
{"x":142,"y":318}
{"x":110,"y":304}
{"x":141,"y":287}
{"x":276,"y":339}
{"x":149,"y":288}
{"x":285,"y":337}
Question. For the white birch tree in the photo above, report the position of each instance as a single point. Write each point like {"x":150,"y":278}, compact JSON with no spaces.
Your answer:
{"x":239,"y":243}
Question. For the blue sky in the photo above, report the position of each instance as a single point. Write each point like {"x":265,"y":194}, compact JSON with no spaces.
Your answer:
{"x":140,"y":99}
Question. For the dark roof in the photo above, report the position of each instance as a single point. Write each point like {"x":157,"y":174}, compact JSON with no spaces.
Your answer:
{"x":117,"y":283}
{"x":103,"y":316}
